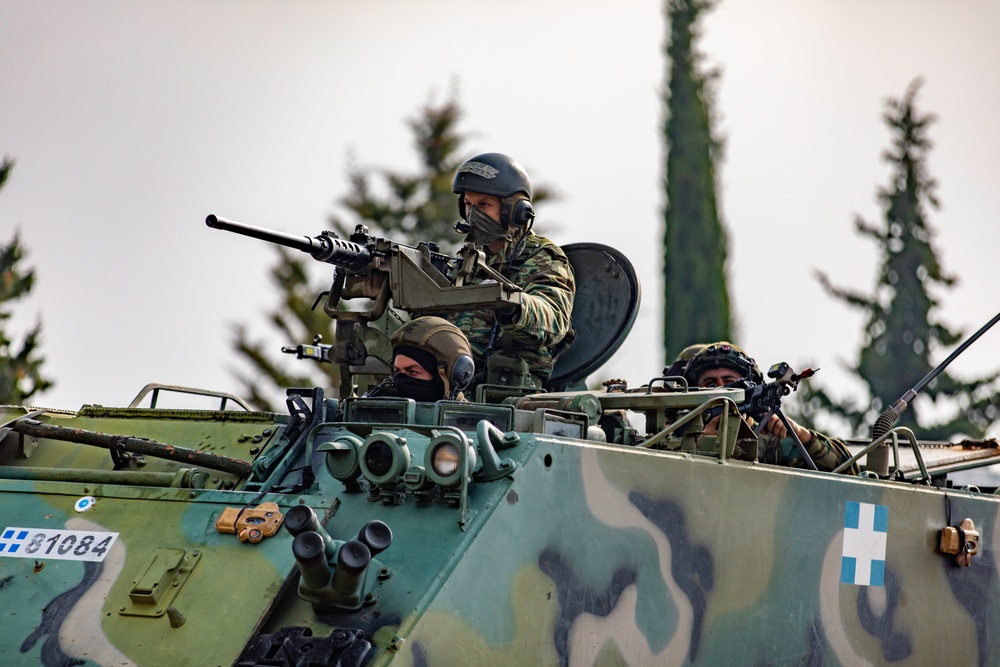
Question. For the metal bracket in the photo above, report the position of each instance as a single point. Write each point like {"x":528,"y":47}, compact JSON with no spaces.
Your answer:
{"x":155,"y":589}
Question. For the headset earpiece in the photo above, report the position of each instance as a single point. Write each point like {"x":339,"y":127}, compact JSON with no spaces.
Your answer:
{"x":461,"y":373}
{"x":523,"y":213}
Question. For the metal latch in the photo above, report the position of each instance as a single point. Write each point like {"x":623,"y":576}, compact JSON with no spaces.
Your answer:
{"x":961,"y":540}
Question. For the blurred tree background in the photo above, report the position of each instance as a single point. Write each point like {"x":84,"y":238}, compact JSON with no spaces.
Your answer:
{"x":902,"y":331}
{"x":21,"y":362}
{"x":696,"y":304}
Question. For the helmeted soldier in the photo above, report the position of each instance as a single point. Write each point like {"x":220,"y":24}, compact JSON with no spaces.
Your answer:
{"x":722,"y":363}
{"x":516,"y":346}
{"x":431,"y":360}
{"x":719,"y":364}
{"x":680,"y":363}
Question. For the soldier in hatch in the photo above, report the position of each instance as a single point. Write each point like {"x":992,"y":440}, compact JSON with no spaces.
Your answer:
{"x":677,"y":368}
{"x":431,"y":361}
{"x":722,"y":363}
{"x":518,"y":346}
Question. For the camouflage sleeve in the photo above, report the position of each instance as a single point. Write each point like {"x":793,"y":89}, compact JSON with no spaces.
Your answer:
{"x":547,"y":302}
{"x":826,"y":452}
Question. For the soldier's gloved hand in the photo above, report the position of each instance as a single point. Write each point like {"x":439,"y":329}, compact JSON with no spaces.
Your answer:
{"x":508,"y":315}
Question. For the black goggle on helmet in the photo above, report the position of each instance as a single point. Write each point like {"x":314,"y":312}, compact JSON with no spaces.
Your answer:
{"x":723,"y":354}
{"x":501,"y":176}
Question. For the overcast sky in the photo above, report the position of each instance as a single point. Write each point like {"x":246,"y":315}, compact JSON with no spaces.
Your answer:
{"x":130,"y":122}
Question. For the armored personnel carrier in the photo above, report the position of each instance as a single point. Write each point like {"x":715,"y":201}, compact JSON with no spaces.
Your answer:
{"x":521,"y":528}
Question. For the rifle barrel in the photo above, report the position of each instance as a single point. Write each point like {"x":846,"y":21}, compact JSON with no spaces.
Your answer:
{"x":329,"y":249}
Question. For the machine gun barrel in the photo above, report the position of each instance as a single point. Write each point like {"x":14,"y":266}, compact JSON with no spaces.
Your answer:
{"x":326,"y":247}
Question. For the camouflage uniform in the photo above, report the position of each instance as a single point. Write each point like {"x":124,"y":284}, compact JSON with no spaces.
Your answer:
{"x":826,"y":452}
{"x":544,"y":326}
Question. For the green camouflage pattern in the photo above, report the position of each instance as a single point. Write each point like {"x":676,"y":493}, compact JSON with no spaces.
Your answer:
{"x":544,"y":326}
{"x":556,"y":548}
{"x":826,"y":452}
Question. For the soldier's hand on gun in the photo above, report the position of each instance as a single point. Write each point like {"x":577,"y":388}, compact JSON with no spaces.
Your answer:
{"x":775,"y":426}
{"x":712,"y":426}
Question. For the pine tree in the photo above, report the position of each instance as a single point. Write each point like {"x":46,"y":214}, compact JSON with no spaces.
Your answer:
{"x":416,"y":207}
{"x":406,"y":208}
{"x":297,"y":322}
{"x":20,"y":363}
{"x":901,"y":331}
{"x":696,"y":296}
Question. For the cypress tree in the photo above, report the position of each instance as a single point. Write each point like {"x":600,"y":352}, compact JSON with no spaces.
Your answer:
{"x":696,"y":295}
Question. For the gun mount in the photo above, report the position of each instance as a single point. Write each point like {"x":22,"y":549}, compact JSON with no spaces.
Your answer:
{"x":417,"y":280}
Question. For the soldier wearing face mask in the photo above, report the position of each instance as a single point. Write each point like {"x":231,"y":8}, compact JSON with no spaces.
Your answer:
{"x":515,"y":347}
{"x":431,"y":361}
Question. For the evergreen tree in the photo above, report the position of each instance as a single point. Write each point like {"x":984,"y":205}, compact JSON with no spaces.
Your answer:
{"x":415,"y":207}
{"x":406,"y":208}
{"x":696,"y":297}
{"x":901,"y":331}
{"x":298,"y":282}
{"x":20,"y":363}
{"x":418,"y":207}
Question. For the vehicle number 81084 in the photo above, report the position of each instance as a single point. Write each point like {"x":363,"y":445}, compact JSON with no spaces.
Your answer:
{"x":87,"y":545}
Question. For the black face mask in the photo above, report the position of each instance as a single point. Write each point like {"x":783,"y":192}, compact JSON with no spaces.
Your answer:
{"x":483,"y":230}
{"x":426,"y":391}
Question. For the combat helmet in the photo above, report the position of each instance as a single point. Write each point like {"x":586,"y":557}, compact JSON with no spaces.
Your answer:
{"x":501,"y":176}
{"x":680,"y":363}
{"x":446,"y":343}
{"x":725,"y":355}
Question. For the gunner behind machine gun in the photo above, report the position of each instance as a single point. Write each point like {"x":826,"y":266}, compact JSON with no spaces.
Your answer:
{"x":781,"y":440}
{"x":418,"y":280}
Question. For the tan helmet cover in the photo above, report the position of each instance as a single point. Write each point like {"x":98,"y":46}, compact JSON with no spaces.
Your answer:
{"x":436,"y":336}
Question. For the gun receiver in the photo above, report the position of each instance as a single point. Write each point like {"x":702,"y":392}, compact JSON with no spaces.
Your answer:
{"x":417,"y":280}
{"x":761,"y":399}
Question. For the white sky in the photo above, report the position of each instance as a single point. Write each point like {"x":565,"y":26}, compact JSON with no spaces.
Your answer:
{"x":130,"y":122}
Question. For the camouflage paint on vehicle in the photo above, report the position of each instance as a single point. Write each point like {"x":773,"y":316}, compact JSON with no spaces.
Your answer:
{"x":553,"y":550}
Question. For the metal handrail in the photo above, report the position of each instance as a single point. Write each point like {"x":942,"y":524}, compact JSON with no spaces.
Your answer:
{"x":894,"y":435}
{"x":156,"y":387}
{"x":730,"y":408}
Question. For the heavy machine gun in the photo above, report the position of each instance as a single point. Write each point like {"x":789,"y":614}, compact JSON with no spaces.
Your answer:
{"x":418,"y":280}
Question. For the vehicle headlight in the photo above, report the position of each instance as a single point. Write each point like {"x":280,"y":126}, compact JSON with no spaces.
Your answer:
{"x":445,"y":459}
{"x":384,"y":457}
{"x":342,"y":459}
{"x":448,"y":458}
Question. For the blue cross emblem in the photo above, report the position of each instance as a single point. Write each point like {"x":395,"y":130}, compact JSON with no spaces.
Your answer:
{"x":11,"y":541}
{"x":866,"y":529}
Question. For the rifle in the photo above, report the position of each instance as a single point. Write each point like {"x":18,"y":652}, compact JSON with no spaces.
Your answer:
{"x":763,"y":400}
{"x":418,"y":280}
